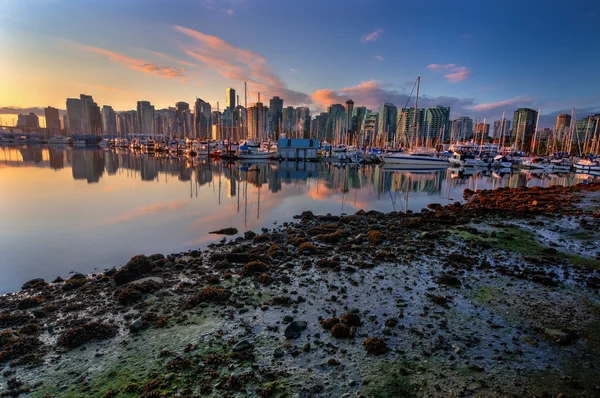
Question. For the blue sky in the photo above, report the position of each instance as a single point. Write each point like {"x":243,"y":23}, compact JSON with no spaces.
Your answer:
{"x":479,"y":57}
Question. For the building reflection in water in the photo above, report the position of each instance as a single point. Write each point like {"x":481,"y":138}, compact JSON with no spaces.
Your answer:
{"x":233,"y":178}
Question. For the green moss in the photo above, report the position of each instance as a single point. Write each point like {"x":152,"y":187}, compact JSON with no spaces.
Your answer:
{"x":275,"y":389}
{"x":517,"y":240}
{"x":385,"y":380}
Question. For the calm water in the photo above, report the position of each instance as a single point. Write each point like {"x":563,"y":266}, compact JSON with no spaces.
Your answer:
{"x":69,"y":209}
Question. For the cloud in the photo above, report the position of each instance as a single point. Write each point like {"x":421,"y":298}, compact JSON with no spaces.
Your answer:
{"x":375,"y":35}
{"x":379,"y":58}
{"x":179,"y":61}
{"x":147,"y":210}
{"x":372,"y":94}
{"x":439,"y":67}
{"x":15,"y":110}
{"x":229,"y":11}
{"x":235,"y":63}
{"x":293,"y":70}
{"x":456,"y":73}
{"x":169,"y":72}
{"x":516,"y":101}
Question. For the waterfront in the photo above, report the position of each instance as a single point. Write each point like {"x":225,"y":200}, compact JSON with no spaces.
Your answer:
{"x":80,"y":210}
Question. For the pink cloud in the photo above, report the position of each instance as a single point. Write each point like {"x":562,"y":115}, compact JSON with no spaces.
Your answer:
{"x":168,"y":72}
{"x":458,"y":74}
{"x":229,"y":12}
{"x":520,"y":100}
{"x":379,"y":58}
{"x":439,"y":67}
{"x":375,"y":35}
{"x":235,"y":63}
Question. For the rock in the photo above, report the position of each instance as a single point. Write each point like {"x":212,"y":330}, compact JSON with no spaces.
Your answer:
{"x":225,"y":231}
{"x":249,"y":235}
{"x":78,"y":275}
{"x":195,"y":253}
{"x":288,"y":319}
{"x":242,"y":346}
{"x":278,"y":353}
{"x":294,"y":329}
{"x":560,"y":337}
{"x":32,"y":282}
{"x":154,"y":279}
{"x":434,"y":206}
{"x":135,"y":326}
{"x":58,"y":279}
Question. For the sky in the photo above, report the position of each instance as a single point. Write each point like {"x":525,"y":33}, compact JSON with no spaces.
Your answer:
{"x":478,"y":57}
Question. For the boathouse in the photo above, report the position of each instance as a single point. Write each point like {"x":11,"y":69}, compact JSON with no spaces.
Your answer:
{"x":298,"y":149}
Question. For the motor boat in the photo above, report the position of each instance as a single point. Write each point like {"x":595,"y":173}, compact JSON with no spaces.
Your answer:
{"x":418,"y":157}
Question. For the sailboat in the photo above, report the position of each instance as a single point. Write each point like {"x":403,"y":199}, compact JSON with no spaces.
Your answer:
{"x":418,"y":156}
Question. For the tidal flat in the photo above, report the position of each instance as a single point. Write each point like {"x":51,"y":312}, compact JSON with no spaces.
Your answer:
{"x":495,"y":297}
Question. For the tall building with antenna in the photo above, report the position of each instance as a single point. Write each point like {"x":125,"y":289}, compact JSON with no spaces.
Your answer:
{"x":230,"y":98}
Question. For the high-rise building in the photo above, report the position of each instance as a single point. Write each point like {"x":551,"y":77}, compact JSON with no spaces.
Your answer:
{"x":258,"y":117}
{"x":28,"y":122}
{"x":499,"y":131}
{"x":65,"y":122}
{"x":52,"y":120}
{"x":349,"y":111}
{"x":524,"y":121}
{"x":358,"y":115}
{"x":482,"y":128}
{"x":202,"y":118}
{"x":288,"y":121}
{"x":109,"y":120}
{"x":94,"y":116}
{"x":166,"y":123}
{"x":230,"y":98}
{"x":302,"y":125}
{"x":436,"y":123}
{"x":145,"y":116}
{"x":77,"y":116}
{"x":181,"y":107}
{"x":563,"y":124}
{"x":462,"y":129}
{"x":370,"y":125}
{"x":388,"y":119}
{"x":586,"y":129}
{"x":127,"y":123}
{"x":239,"y":124}
{"x":276,"y":113}
{"x":336,"y":124}
{"x":410,"y":131}
{"x":319,"y":126}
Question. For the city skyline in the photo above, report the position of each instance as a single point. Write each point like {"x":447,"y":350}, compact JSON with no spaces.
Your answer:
{"x":164,"y":57}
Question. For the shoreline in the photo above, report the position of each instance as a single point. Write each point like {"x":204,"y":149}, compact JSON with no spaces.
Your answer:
{"x":467,"y":298}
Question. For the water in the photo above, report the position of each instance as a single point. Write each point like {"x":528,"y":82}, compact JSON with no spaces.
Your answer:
{"x":66,"y":209}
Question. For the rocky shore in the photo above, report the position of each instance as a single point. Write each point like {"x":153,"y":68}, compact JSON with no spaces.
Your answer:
{"x":495,"y":297}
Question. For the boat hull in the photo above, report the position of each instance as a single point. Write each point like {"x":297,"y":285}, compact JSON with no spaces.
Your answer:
{"x":414,"y":160}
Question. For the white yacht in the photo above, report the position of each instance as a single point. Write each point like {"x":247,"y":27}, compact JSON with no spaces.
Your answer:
{"x":587,"y":165}
{"x":417,"y":157}
{"x":59,"y":140}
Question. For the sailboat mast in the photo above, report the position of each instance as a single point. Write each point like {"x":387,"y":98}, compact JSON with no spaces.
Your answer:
{"x":534,"y":142}
{"x":416,"y":117}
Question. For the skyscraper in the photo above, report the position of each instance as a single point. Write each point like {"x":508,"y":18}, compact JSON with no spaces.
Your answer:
{"x":563,"y":123}
{"x":482,"y":128}
{"x":349,"y":111}
{"x":109,"y":120}
{"x":230,"y":98}
{"x":462,"y":129}
{"x":388,"y":119}
{"x":77,"y":116}
{"x":258,"y":116}
{"x":276,"y":112}
{"x":302,"y":127}
{"x":524,"y":121}
{"x":145,"y":115}
{"x":202,"y":118}
{"x":94,"y":116}
{"x":498,"y":131}
{"x":180,"y":108}
{"x":407,"y":125}
{"x":288,"y":121}
{"x":436,"y":123}
{"x":52,"y":120}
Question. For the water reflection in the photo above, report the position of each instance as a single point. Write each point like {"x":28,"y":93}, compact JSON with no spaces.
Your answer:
{"x":78,"y":209}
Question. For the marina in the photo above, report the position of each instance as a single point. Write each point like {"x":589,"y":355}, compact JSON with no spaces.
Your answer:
{"x":54,"y":197}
